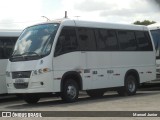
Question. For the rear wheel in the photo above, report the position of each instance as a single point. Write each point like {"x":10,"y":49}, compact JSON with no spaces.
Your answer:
{"x":95,"y":93}
{"x":130,"y":87}
{"x":31,"y":98}
{"x":70,"y":91}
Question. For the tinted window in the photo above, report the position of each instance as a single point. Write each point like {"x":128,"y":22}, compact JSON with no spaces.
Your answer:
{"x":127,"y":40}
{"x":106,"y":40}
{"x":86,"y":39}
{"x":67,"y":41}
{"x":112,"y":41}
{"x":101,"y":37}
{"x":6,"y":46}
{"x":144,"y":41}
{"x":156,"y":38}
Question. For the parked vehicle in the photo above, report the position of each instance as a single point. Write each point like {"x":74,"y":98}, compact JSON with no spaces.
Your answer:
{"x":66,"y":56}
{"x":155,"y":32}
{"x":8,"y":39}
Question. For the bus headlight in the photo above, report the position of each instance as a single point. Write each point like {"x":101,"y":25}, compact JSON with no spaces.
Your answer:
{"x":40,"y":71}
{"x":8,"y":74}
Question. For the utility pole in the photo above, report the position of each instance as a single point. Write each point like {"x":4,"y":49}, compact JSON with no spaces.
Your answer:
{"x":65,"y":15}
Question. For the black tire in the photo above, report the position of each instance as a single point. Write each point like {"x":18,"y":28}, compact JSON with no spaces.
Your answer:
{"x":70,"y":91}
{"x":130,"y":86}
{"x":95,"y":93}
{"x":31,"y":98}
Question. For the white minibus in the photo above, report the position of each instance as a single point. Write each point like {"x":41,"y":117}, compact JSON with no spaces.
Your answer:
{"x":7,"y":41}
{"x":155,"y":32}
{"x":66,"y":56}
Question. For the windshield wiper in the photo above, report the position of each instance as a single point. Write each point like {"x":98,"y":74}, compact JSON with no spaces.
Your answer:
{"x":31,"y":53}
{"x":18,"y":55}
{"x":25,"y":56}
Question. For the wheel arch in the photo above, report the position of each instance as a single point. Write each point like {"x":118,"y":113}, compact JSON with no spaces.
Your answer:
{"x":134,"y":73}
{"x":72,"y":75}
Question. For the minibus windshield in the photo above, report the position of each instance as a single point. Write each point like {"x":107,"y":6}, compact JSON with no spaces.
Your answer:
{"x":36,"y":41}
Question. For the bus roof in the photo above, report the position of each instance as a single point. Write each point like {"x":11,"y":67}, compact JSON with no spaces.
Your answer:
{"x":91,"y":24}
{"x":154,"y":26}
{"x":10,"y":32}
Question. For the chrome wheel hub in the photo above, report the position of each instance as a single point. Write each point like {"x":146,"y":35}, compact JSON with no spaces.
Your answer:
{"x":131,"y":86}
{"x":71,"y":91}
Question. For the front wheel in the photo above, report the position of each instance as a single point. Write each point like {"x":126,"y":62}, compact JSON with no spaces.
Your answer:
{"x":130,"y":86}
{"x":70,"y":91}
{"x":31,"y":98}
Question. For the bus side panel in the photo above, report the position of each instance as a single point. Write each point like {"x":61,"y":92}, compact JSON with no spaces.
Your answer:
{"x":99,"y":63}
{"x":142,"y":62}
{"x":73,"y":61}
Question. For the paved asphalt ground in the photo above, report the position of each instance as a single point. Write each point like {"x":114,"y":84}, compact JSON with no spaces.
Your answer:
{"x":146,"y":99}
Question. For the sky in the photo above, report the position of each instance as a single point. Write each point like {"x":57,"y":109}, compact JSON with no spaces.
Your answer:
{"x":18,"y":14}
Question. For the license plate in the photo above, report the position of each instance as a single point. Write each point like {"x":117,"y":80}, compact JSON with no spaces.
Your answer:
{"x":19,"y":81}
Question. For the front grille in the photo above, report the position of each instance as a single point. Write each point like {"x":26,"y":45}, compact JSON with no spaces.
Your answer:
{"x":21,"y":74}
{"x":21,"y":85}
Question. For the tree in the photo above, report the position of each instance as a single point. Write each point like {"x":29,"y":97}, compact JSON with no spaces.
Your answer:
{"x":145,"y":22}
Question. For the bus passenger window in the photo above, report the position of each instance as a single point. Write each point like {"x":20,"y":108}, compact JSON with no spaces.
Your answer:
{"x":67,"y":41}
{"x":106,"y":40}
{"x":127,"y":40}
{"x":86,"y":39}
{"x":6,"y":46}
{"x":144,"y":42}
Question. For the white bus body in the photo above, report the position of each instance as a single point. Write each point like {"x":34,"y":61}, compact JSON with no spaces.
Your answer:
{"x":7,"y":41}
{"x":155,"y":32}
{"x":66,"y":56}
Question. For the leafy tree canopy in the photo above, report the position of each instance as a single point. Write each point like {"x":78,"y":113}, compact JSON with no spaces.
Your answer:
{"x":145,"y":22}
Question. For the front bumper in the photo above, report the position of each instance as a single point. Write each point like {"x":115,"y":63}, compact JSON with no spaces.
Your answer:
{"x":42,"y":83}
